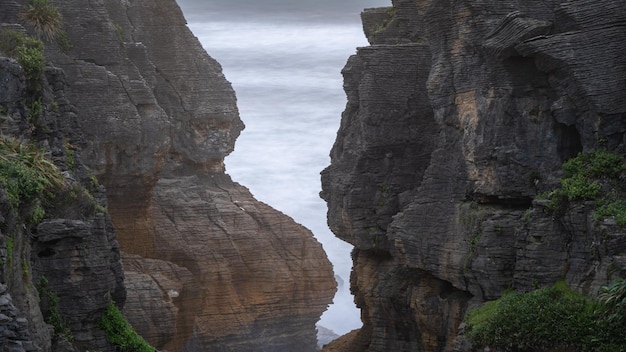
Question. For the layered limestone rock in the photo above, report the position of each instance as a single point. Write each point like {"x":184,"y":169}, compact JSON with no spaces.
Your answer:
{"x":57,"y":275}
{"x":207,"y":266}
{"x":459,"y":114}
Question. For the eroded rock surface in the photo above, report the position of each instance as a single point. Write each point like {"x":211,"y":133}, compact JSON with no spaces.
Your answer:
{"x":459,"y":114}
{"x":208,"y":267}
{"x":68,"y":263}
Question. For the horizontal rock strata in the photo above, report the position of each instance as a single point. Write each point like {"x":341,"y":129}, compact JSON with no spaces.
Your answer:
{"x":207,"y":266}
{"x":459,"y":114}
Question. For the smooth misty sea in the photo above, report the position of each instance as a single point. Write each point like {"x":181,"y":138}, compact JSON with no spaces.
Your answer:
{"x":284,"y":60}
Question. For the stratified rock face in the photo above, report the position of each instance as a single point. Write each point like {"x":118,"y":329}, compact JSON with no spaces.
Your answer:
{"x":459,"y":114}
{"x":208,"y":268}
{"x":69,"y":263}
{"x":256,"y":274}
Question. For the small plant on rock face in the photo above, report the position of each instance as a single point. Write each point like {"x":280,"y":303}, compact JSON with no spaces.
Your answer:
{"x":27,"y":51}
{"x":391,"y":12}
{"x":592,"y":176}
{"x":613,"y":297}
{"x":119,"y":333}
{"x":32,"y":61}
{"x":120,"y":32}
{"x":35,"y":111}
{"x":26,"y":174}
{"x":52,"y":314}
{"x":44,"y":19}
{"x":10,"y":40}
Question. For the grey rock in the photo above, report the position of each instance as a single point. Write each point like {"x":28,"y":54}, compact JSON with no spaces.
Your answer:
{"x":152,"y":115}
{"x":444,"y":146}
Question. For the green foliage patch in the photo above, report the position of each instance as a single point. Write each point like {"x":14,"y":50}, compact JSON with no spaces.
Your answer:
{"x":10,"y":40}
{"x":30,"y":56}
{"x":120,"y":32}
{"x":592,"y":175}
{"x":613,"y":297}
{"x":551,"y":318}
{"x":28,"y":52}
{"x":391,"y":12}
{"x":52,"y":315}
{"x":43,"y":18}
{"x":120,"y":333}
{"x":35,"y":111}
{"x":26,"y":174}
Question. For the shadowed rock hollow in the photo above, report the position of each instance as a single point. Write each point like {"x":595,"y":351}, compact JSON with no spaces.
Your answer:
{"x":459,"y":114}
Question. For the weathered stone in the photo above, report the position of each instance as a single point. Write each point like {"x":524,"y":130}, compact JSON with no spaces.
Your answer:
{"x":237,"y":270}
{"x":444,"y":145}
{"x":77,"y":260}
{"x":153,"y":288}
{"x":73,"y":251}
{"x":154,"y":118}
{"x":513,"y":30}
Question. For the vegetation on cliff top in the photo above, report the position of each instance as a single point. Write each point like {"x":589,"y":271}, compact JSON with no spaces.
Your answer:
{"x":553,"y":317}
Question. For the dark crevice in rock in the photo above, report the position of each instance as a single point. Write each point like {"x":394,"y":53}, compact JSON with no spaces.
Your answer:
{"x":46,"y":252}
{"x":569,"y":142}
{"x":508,"y":202}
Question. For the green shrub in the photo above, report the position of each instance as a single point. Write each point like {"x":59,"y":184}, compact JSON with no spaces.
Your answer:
{"x":10,"y":40}
{"x":44,"y":19}
{"x":578,"y":187}
{"x":596,"y":163}
{"x":120,"y":333}
{"x":26,"y":174}
{"x":32,"y":61}
{"x":592,"y":175}
{"x":613,"y":299}
{"x":64,"y":43}
{"x":26,"y":50}
{"x":612,"y":208}
{"x":549,"y":318}
{"x":35,"y":110}
{"x":546,"y":318}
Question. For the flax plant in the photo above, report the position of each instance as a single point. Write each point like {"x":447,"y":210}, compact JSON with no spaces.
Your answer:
{"x":26,"y":171}
{"x":44,"y":19}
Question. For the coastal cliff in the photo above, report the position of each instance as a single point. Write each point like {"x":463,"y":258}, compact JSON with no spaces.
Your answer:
{"x":459,"y":118}
{"x":136,"y":102}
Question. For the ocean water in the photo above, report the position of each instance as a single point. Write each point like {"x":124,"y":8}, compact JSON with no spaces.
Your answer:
{"x":284,"y":60}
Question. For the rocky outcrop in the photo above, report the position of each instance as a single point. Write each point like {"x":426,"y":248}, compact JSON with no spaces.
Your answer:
{"x":459,"y":114}
{"x":14,"y":333}
{"x":60,"y":272}
{"x":207,"y":266}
